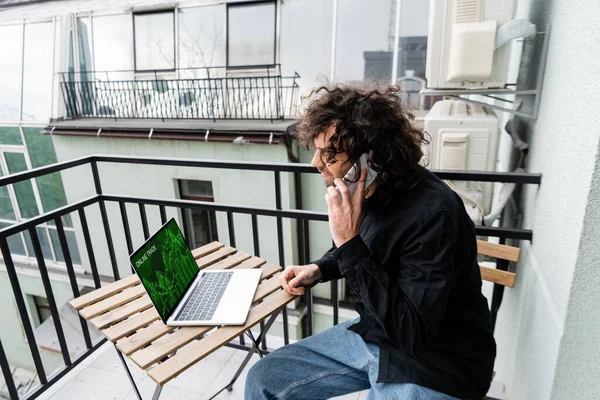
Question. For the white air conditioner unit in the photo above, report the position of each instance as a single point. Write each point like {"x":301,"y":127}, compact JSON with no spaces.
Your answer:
{"x":464,"y":137}
{"x":461,"y":46}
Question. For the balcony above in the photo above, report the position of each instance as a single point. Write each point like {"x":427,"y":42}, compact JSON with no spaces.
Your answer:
{"x":212,"y":93}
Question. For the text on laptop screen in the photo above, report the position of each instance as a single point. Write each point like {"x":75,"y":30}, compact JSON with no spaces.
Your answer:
{"x":165,"y":267}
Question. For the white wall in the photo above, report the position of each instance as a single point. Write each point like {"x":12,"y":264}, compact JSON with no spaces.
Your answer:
{"x":563,"y":147}
{"x":578,"y":367}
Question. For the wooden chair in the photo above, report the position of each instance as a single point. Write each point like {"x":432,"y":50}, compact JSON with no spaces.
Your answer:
{"x":499,"y":276}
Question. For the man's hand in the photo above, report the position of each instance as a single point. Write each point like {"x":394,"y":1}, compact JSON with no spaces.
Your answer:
{"x":345,"y":210}
{"x":295,"y":277}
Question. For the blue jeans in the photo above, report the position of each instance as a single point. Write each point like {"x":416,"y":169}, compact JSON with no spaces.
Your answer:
{"x":332,"y":363}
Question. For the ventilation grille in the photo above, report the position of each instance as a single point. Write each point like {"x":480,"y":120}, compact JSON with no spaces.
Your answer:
{"x":467,"y":11}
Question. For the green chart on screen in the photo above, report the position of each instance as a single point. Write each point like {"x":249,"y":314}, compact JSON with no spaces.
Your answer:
{"x":166,"y":267}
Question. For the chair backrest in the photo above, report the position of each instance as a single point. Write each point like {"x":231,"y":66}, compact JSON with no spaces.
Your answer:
{"x":502,"y":252}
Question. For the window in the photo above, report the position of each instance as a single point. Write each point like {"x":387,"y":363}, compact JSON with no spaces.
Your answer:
{"x":29,"y":198}
{"x":41,"y":309}
{"x":200,"y":225}
{"x":37,"y":71}
{"x":10,"y":71}
{"x":251,"y":34}
{"x":154,"y":40}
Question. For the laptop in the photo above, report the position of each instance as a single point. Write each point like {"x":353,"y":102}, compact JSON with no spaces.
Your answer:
{"x":184,"y":295}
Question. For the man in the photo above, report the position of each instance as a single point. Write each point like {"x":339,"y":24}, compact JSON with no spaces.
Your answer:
{"x":407,"y":249}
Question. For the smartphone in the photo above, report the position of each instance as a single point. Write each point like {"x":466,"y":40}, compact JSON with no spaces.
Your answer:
{"x":351,"y":178}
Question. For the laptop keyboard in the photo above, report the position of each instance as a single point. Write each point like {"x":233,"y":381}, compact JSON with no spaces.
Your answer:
{"x":203,"y":301}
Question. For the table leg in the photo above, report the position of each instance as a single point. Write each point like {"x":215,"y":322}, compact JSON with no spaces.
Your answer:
{"x":135,"y":389}
{"x":157,"y":392}
{"x":255,"y":348}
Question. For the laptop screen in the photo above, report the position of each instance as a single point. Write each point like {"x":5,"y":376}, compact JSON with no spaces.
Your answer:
{"x":165,"y":267}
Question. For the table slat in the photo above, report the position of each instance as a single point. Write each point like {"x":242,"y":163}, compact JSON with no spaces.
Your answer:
{"x":142,"y":337}
{"x":112,"y":302}
{"x":167,"y":344}
{"x":207,"y":249}
{"x":131,"y":324}
{"x":230,"y":261}
{"x":104,"y":292}
{"x":119,"y":314}
{"x":214,"y":257}
{"x":194,"y":352}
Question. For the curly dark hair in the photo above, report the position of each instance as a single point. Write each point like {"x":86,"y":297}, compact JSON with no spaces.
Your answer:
{"x":368,"y":118}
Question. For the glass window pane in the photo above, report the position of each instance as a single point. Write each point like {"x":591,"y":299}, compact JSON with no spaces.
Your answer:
{"x":197,"y":188}
{"x":15,"y":242}
{"x":37,"y":73}
{"x":353,"y":43}
{"x":86,"y":94}
{"x":154,"y":41}
{"x":10,"y":135}
{"x":41,"y":153}
{"x":251,"y":34}
{"x":71,"y":242}
{"x":113,"y":43}
{"x":23,"y":190}
{"x":201,"y":38}
{"x":41,"y":232}
{"x":84,"y":34}
{"x":6,"y":207}
{"x":10,"y":71}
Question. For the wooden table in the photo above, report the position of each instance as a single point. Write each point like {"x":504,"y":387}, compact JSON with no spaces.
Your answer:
{"x":123,"y":312}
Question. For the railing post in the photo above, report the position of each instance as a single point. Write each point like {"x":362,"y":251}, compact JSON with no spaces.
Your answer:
{"x":72,"y":278}
{"x":109,"y":241}
{"x":286,"y":334}
{"x":14,"y":282}
{"x":37,"y":248}
{"x":7,"y":373}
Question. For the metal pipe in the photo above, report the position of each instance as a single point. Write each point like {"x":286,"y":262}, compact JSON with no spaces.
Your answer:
{"x":14,"y":281}
{"x":396,"y":42}
{"x":286,"y":334}
{"x":72,"y":278}
{"x":89,"y":247}
{"x":37,"y":248}
{"x":144,"y":219}
{"x":123,"y":209}
{"x":333,"y":41}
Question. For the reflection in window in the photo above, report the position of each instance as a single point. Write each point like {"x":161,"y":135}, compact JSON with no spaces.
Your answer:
{"x":85,"y":63}
{"x":23,"y":190}
{"x":44,"y":243}
{"x":71,"y":244}
{"x":154,"y":40}
{"x":37,"y":72}
{"x":251,"y":34}
{"x":15,"y":242}
{"x":41,"y":153}
{"x":6,"y":207}
{"x":113,"y":44}
{"x":10,"y":71}
{"x":201,"y":38}
{"x":10,"y":135}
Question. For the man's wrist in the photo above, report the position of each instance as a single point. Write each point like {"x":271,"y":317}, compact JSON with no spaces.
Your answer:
{"x":316,"y":272}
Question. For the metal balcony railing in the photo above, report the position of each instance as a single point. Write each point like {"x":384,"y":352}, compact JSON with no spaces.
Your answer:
{"x":260,"y":93}
{"x":100,"y":199}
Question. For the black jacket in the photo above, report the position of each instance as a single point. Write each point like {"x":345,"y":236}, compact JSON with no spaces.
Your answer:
{"x":414,"y":269}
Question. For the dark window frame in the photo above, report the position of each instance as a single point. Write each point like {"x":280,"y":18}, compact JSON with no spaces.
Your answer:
{"x":211,"y":215}
{"x":161,"y":11}
{"x":246,"y":4}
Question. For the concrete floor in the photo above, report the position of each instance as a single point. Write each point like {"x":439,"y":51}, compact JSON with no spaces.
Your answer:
{"x":101,"y":376}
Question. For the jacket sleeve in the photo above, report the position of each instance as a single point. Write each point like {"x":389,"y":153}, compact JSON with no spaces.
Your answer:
{"x":328,"y":267}
{"x":408,"y":299}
